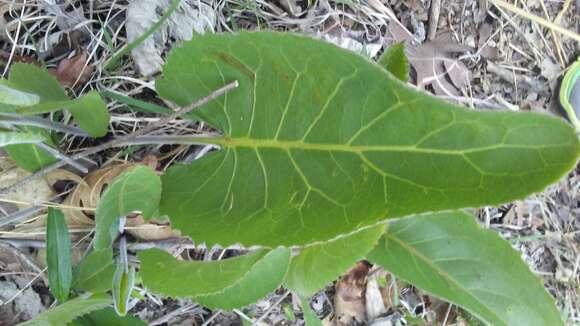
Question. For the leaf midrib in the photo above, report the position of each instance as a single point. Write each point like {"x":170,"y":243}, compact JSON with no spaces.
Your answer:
{"x":254,"y":143}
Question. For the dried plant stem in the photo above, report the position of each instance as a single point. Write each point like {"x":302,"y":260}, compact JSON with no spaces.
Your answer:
{"x":13,"y":119}
{"x":125,"y":139}
{"x":54,"y":152}
{"x":434,"y":11}
{"x":168,"y":139}
{"x":536,"y":19}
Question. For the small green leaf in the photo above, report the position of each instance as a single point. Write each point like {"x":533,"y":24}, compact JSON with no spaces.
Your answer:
{"x":95,"y":272}
{"x":320,"y":264}
{"x":123,"y":282}
{"x":58,"y":255}
{"x":570,"y":93}
{"x":68,"y":311}
{"x":90,"y":112}
{"x":29,"y":156}
{"x":108,"y":317}
{"x":224,"y":284}
{"x":44,"y":107}
{"x":450,"y":256}
{"x":13,"y":138}
{"x":395,"y":61}
{"x":309,"y":316}
{"x":12,"y":96}
{"x":164,"y":274}
{"x":138,"y":189}
{"x":32,"y":79}
{"x":264,"y":277}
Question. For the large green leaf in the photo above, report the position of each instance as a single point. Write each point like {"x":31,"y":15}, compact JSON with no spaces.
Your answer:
{"x":58,"y":255}
{"x":138,"y":189}
{"x":450,"y":256}
{"x":95,"y":272}
{"x":65,"y":313}
{"x":224,"y":284}
{"x":319,"y":142}
{"x":321,"y":263}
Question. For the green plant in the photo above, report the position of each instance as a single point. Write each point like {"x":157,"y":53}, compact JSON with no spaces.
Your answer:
{"x":30,"y":90}
{"x":325,"y":152}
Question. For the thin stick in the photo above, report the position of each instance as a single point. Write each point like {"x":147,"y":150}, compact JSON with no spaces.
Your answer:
{"x":536,"y":19}
{"x":14,"y":119}
{"x":54,"y":152}
{"x":257,"y":322}
{"x":121,"y":140}
{"x":168,"y":139}
{"x":433,"y":18}
{"x":163,"y":121}
{"x":20,"y":215}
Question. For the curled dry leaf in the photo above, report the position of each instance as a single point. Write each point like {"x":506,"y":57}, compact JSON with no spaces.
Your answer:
{"x":375,"y":304}
{"x":74,"y":71}
{"x":88,"y":194}
{"x":381,"y":292}
{"x":349,"y":300}
{"x":484,"y":44}
{"x":150,"y":231}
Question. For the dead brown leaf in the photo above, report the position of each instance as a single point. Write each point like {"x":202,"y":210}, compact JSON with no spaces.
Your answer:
{"x":484,"y":32}
{"x":74,"y":71}
{"x":349,"y":300}
{"x":68,"y":42}
{"x":434,"y":65}
{"x":376,"y":304}
{"x":34,"y":192}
